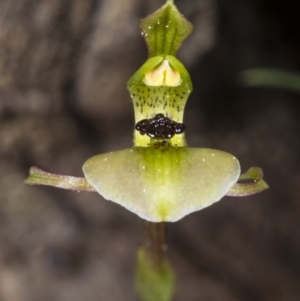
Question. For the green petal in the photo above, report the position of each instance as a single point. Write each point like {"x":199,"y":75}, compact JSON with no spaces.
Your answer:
{"x":163,"y":184}
{"x":165,"y":30}
{"x":256,"y":184}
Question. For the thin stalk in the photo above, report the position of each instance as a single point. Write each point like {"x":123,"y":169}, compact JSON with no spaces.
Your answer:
{"x":155,"y":242}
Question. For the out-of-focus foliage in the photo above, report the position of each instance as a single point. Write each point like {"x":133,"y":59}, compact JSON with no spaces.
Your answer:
{"x":271,"y":78}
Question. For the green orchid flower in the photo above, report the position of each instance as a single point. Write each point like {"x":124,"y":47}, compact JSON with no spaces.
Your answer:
{"x":160,"y":178}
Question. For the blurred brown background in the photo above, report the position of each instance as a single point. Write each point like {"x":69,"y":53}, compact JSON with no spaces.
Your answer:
{"x":63,"y":98}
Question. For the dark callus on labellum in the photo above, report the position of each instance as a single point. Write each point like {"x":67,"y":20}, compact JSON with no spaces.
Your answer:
{"x":160,"y":127}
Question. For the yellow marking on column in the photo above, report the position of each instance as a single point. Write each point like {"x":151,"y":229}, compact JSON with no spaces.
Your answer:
{"x":163,"y":75}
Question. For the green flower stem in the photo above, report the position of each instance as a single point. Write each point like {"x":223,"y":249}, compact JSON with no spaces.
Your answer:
{"x":40,"y":177}
{"x":155,"y":278}
{"x":256,"y":184}
{"x":155,"y":242}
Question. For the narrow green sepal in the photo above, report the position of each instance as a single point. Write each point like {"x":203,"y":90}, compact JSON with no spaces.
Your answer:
{"x":165,"y":30}
{"x":250,"y":182}
{"x":154,"y":284}
{"x":41,"y":177}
